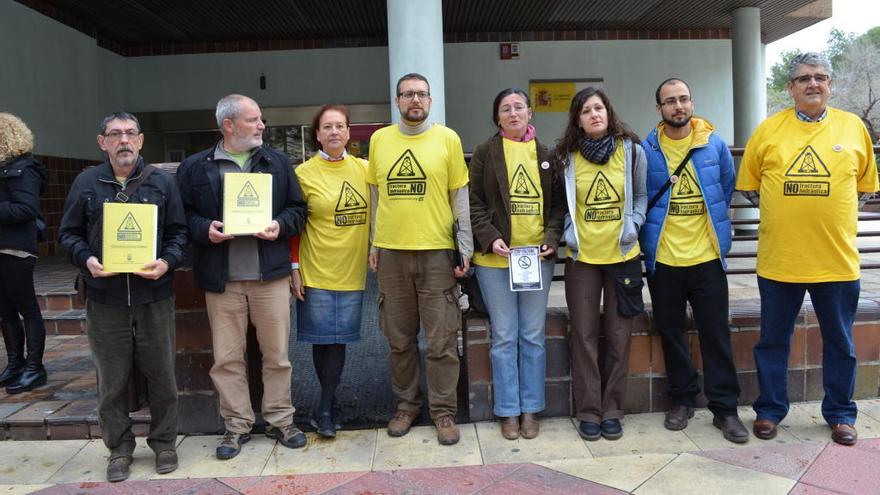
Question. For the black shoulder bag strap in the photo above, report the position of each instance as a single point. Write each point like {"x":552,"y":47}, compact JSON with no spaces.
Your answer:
{"x":122,"y":196}
{"x":672,"y":179}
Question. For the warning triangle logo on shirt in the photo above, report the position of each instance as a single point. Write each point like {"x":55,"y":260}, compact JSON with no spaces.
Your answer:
{"x":686,"y":187}
{"x":350,"y":199}
{"x":406,"y":168}
{"x":601,"y":192}
{"x":129,"y":230}
{"x":808,"y":164}
{"x":248,"y":196}
{"x":521,"y":185}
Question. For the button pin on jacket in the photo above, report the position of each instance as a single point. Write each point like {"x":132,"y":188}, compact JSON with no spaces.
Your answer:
{"x":837,"y":147}
{"x":673,"y":179}
{"x":545,"y":165}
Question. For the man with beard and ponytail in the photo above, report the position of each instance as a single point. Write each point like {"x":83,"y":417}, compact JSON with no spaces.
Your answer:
{"x":419,"y":190}
{"x":686,"y":238}
{"x":245,"y":277}
{"x":129,"y":317}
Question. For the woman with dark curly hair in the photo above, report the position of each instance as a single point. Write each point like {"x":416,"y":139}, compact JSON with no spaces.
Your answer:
{"x":22,"y":180}
{"x":603,"y":166}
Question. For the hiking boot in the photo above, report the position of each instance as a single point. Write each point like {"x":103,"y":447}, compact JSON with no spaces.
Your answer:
{"x":166,"y":461}
{"x":290,"y":436}
{"x":118,"y":468}
{"x":401,"y":423}
{"x":447,"y":430}
{"x":230,"y":444}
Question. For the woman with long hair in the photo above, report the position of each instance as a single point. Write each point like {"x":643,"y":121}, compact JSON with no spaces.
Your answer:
{"x":603,"y":167}
{"x":329,"y":269}
{"x":515,"y":202}
{"x":22,"y":180}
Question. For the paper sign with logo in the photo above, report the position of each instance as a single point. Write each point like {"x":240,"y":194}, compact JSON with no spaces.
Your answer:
{"x":129,"y":236}
{"x":247,"y":203}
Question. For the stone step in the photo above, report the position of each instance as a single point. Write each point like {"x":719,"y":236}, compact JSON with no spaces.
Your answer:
{"x":57,"y":300}
{"x":65,"y":322}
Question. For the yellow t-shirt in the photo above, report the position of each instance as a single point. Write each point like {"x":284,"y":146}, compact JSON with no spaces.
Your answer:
{"x":686,"y":239}
{"x":526,"y":200}
{"x":599,"y":192}
{"x":809,"y":175}
{"x":414,"y":175}
{"x":333,"y":246}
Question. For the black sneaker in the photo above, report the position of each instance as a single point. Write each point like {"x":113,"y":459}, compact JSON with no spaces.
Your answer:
{"x":230,"y":444}
{"x":325,"y":425}
{"x":611,"y":429}
{"x":589,"y":430}
{"x":290,"y":436}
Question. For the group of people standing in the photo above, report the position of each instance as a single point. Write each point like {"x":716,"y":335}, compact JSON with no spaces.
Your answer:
{"x":418,"y":215}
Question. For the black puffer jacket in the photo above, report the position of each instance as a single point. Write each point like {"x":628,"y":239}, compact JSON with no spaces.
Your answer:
{"x":22,"y":181}
{"x":90,"y":190}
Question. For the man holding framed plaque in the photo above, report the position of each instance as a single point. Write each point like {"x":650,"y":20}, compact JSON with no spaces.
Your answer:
{"x":125,"y":228}
{"x":242,"y":203}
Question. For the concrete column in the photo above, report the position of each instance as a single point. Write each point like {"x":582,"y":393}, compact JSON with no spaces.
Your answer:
{"x":749,"y":95}
{"x":749,"y":86}
{"x":415,"y":44}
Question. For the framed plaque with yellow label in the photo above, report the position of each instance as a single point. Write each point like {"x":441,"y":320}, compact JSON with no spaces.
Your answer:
{"x":129,"y":236}
{"x":247,"y":203}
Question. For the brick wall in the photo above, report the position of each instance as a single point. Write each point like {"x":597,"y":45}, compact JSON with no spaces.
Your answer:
{"x":647,"y":385}
{"x":62,"y":171}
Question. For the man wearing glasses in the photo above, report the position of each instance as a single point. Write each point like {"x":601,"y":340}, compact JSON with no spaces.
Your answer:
{"x":419,"y":190}
{"x":808,"y":165}
{"x":686,"y":237}
{"x":129,"y":316}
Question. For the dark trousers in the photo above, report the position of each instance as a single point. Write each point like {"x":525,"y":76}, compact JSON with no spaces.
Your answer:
{"x":17,"y":297}
{"x":598,"y":391}
{"x":704,"y":286}
{"x":117,"y":336}
{"x":835,"y":304}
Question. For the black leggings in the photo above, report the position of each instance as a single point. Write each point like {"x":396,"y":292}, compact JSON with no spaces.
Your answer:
{"x":17,"y":297}
{"x":329,"y":361}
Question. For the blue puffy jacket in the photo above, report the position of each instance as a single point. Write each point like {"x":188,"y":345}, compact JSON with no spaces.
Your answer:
{"x":713,"y":165}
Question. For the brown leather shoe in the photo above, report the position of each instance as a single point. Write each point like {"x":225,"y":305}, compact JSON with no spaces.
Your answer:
{"x":844,"y":434}
{"x":677,"y":417}
{"x":447,"y":430}
{"x":529,"y":425}
{"x":510,"y":427}
{"x":764,"y":429}
{"x":401,"y":423}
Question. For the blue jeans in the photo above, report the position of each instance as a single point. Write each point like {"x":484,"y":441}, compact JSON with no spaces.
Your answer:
{"x":519,"y":362}
{"x":835,"y":304}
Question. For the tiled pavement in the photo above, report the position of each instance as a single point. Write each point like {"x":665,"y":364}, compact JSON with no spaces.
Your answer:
{"x":648,"y":460}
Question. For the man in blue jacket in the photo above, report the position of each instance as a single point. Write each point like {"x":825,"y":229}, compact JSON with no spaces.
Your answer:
{"x":245,"y":277}
{"x":686,"y":237}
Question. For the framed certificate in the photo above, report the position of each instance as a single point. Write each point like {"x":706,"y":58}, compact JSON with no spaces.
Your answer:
{"x":525,"y":269}
{"x":247,"y":203}
{"x":129,"y":236}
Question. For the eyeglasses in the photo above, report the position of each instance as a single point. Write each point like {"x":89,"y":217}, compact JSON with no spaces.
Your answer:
{"x":805,"y":79}
{"x":409,"y":95}
{"x":670,"y":102}
{"x":115,"y":135}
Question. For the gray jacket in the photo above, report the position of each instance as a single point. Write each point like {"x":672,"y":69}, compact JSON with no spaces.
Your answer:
{"x":635,"y":200}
